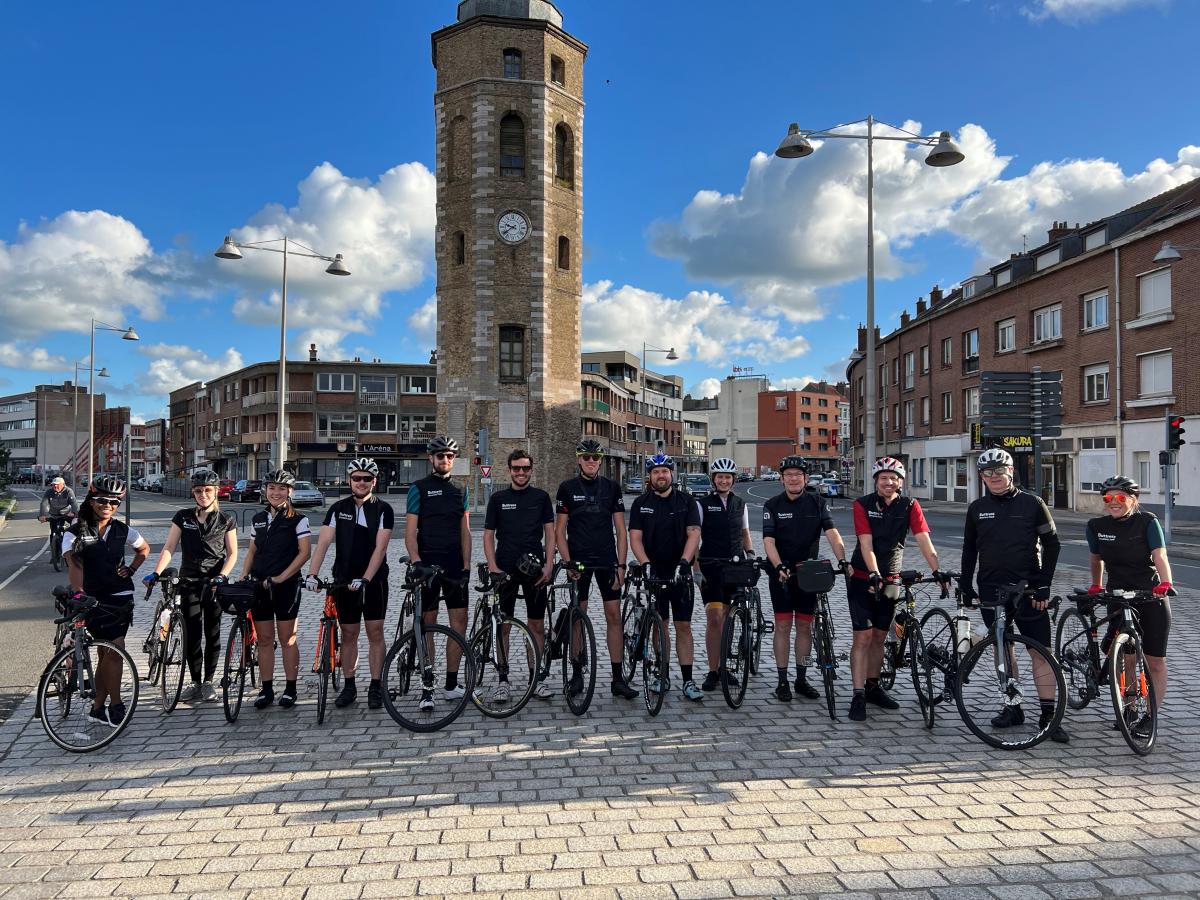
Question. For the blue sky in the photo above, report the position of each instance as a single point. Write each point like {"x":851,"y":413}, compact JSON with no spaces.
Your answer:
{"x":139,"y":134}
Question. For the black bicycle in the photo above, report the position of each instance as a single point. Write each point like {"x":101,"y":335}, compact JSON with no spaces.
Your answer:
{"x":58,"y":525}
{"x":571,"y":639}
{"x":816,"y":576}
{"x":947,"y":640}
{"x":236,"y":599}
{"x":505,"y":653}
{"x":166,"y":642}
{"x":906,"y":646}
{"x":1124,"y":668}
{"x":644,"y":635}
{"x":741,"y":638}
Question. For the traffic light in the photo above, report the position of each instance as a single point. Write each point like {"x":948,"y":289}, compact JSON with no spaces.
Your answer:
{"x":1175,"y":431}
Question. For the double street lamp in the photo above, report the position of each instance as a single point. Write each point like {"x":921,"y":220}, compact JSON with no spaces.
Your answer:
{"x":231,"y":249}
{"x":944,"y":153}
{"x":127,"y":334}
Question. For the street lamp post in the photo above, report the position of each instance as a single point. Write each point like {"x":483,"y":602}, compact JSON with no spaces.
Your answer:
{"x":944,"y":153}
{"x":231,"y":249}
{"x":127,"y":334}
{"x":102,"y":373}
{"x":671,"y":354}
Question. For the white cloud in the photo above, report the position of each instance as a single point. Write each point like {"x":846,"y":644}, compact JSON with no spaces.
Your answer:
{"x":15,"y":355}
{"x":709,"y":387}
{"x":422,"y":324}
{"x":796,"y":383}
{"x":174,"y":365}
{"x":1075,"y":12}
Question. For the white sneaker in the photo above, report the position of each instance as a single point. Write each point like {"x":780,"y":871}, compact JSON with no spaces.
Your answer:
{"x":542,"y":691}
{"x":692,"y":692}
{"x":191,"y":693}
{"x":502,"y":692}
{"x":207,"y":691}
{"x":455,"y":692}
{"x":427,"y":701}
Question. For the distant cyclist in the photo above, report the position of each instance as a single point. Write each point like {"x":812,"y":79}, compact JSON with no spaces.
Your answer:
{"x":58,"y":502}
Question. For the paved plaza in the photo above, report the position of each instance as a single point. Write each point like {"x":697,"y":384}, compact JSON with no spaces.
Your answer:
{"x":702,"y":801}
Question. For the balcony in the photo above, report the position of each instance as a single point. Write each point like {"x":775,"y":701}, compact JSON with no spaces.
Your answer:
{"x":595,"y":409}
{"x":376,"y":398}
{"x":335,"y":437}
{"x":271,"y":398}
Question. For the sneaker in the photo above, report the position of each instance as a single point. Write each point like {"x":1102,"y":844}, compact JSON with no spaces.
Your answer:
{"x":455,"y":692}
{"x":660,"y":685}
{"x":265,"y":698}
{"x":542,"y":691}
{"x":711,"y":682}
{"x":99,"y":716}
{"x":783,"y":692}
{"x":858,"y":708}
{"x":806,"y":690}
{"x":288,"y":698}
{"x":576,"y":684}
{"x":427,"y":700}
{"x":691,"y":691}
{"x":191,"y":693}
{"x":1143,"y":728}
{"x":374,"y":696}
{"x":207,"y":691}
{"x":879,"y":697}
{"x":623,"y":690}
{"x":1008,"y":717}
{"x":1058,"y":734}
{"x":116,"y":714}
{"x":502,"y":693}
{"x":348,"y":695}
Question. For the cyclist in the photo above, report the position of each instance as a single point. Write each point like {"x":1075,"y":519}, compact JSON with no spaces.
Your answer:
{"x":360,"y":527}
{"x":437,"y":530}
{"x":1129,"y":546}
{"x":57,"y":503}
{"x":882,"y":520}
{"x":589,"y":528}
{"x":724,"y":533}
{"x":521,"y":518}
{"x":94,"y":547}
{"x":279,"y":548}
{"x":664,"y":531}
{"x":208,"y":538}
{"x":1010,"y":534}
{"x":793,"y":521}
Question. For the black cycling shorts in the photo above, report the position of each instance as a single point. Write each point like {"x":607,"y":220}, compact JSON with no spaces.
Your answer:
{"x":868,"y":610}
{"x":713,"y":589}
{"x":1155,"y":621}
{"x":787,"y":599}
{"x":1032,"y":623}
{"x":674,"y":600}
{"x":535,"y":597}
{"x":111,"y":618}
{"x":369,"y":604}
{"x":281,"y":603}
{"x":604,"y":581}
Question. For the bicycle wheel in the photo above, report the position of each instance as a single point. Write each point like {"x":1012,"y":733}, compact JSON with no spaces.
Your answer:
{"x":579,"y":662}
{"x":630,"y":634}
{"x":737,"y":655}
{"x":172,"y":661}
{"x":655,"y":674}
{"x":56,"y":551}
{"x":403,"y":685}
{"x":323,"y":671}
{"x":1073,"y":645}
{"x":922,"y":672}
{"x":887,"y":665}
{"x":66,"y":696}
{"x":760,"y":628}
{"x":937,"y":628}
{"x":505,"y":674}
{"x":985,"y":689}
{"x":153,"y":647}
{"x":1133,"y":693}
{"x":826,"y":662}
{"x":335,"y":658}
{"x":233,"y":680}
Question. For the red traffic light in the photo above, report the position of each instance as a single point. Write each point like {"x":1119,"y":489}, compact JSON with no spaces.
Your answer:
{"x":1175,"y":432}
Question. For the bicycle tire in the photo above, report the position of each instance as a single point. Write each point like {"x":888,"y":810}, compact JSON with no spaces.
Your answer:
{"x":736,"y":655}
{"x":631,"y":649}
{"x":323,"y":673}
{"x":826,"y":662}
{"x":65,"y":725}
{"x":967,"y":671}
{"x":173,"y":662}
{"x":585,"y":660}
{"x":655,"y":672}
{"x":922,"y":672}
{"x":1145,"y":703}
{"x":335,"y":658}
{"x":941,"y":646}
{"x":233,"y":679}
{"x":153,"y":647}
{"x":399,"y":666}
{"x":1073,"y":645}
{"x":760,"y":628}
{"x":887,"y":664}
{"x":486,"y":658}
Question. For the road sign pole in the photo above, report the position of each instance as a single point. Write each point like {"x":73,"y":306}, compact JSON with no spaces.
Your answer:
{"x":1169,"y":485}
{"x":1035,"y":404}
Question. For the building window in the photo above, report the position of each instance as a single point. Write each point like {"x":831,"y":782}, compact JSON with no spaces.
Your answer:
{"x":1095,"y":383}
{"x":1154,"y":293}
{"x":564,"y":252}
{"x":512,"y":353}
{"x":947,"y":352}
{"x":1095,"y":310}
{"x":947,"y":407}
{"x":377,"y":422}
{"x":971,"y":402}
{"x":925,"y":360}
{"x":558,"y":71}
{"x":512,"y":146}
{"x":1142,"y":461}
{"x":896,"y":370}
{"x":1047,"y":323}
{"x":860,"y":389}
{"x":1154,"y":370}
{"x":822,"y":417}
{"x":418,"y":384}
{"x":925,"y":410}
{"x":806,"y":417}
{"x":1006,"y":335}
{"x":910,"y":369}
{"x":564,"y":157}
{"x":1049,"y":258}
{"x":335,"y":382}
{"x":968,"y":290}
{"x":781,"y":402}
{"x":1004,"y":276}
{"x":334,"y":424}
{"x":460,"y":248}
{"x":971,"y":351}
{"x":895,"y":416}
{"x":909,"y":424}
{"x":512,"y":63}
{"x":1094,"y":240}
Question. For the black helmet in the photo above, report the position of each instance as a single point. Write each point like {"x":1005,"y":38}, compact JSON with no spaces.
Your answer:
{"x":362,"y":464}
{"x":793,"y":462}
{"x":590,"y":446}
{"x":205,"y":478}
{"x":108,"y":485}
{"x":530,"y":564}
{"x":1120,"y":483}
{"x":441,"y":444}
{"x":280,"y":476}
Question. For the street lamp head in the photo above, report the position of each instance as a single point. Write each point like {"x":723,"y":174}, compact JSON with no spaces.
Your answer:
{"x":228,"y":250}
{"x":1168,"y":253}
{"x":795,"y":145}
{"x":338,"y":266}
{"x":130,"y":335}
{"x":671,"y":354}
{"x":945,"y":152}
{"x":103,"y":373}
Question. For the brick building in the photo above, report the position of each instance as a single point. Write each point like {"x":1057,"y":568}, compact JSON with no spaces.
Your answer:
{"x":1092,"y":303}
{"x":649,"y":414}
{"x":803,"y":422}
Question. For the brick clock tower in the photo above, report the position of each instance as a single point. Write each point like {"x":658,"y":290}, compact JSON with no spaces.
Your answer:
{"x":509,"y":114}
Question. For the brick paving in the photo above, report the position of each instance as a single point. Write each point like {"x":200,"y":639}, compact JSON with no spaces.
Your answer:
{"x":702,"y":801}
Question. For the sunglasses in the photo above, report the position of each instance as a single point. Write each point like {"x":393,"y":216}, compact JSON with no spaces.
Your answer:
{"x":528,"y":468}
{"x":1118,"y":498}
{"x":362,"y":478}
{"x":444,"y":455}
{"x":107,"y":501}
{"x":590,"y":457}
{"x":992,"y":473}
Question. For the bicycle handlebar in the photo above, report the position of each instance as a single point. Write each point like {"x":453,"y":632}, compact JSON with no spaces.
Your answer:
{"x":1122,"y":597}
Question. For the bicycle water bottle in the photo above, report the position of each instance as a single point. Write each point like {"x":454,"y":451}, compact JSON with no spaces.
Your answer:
{"x":560,"y":626}
{"x":68,"y":641}
{"x":164,"y":623}
{"x":962,"y":635}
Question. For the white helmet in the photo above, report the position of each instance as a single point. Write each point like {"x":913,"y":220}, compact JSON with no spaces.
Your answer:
{"x":724,"y":464}
{"x":889,"y":464}
{"x":994,"y":457}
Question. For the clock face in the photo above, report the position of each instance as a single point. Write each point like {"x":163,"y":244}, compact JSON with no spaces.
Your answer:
{"x":513,"y":227}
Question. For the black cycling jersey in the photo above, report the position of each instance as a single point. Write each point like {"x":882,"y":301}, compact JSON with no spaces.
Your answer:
{"x":101,"y":555}
{"x":663,"y":522}
{"x":796,"y":525}
{"x":440,"y":505}
{"x":355,"y":531}
{"x":1004,"y":533}
{"x":1125,"y":545}
{"x":519,"y":519}
{"x":589,"y":504}
{"x":202,"y":543}
{"x":276,"y":542}
{"x":890,"y":524}
{"x":721,"y":525}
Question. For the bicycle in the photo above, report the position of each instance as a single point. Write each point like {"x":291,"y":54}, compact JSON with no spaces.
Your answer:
{"x":167,"y":639}
{"x":906,"y":645}
{"x":416,"y":651}
{"x":58,"y":525}
{"x":981,"y":686}
{"x":571,"y":639}
{"x":816,"y":576}
{"x":236,"y":598}
{"x":741,"y":639}
{"x":67,"y":688}
{"x":1130,"y":686}
{"x":643,"y":636}
{"x":328,"y":659}
{"x":947,"y":640}
{"x":502,"y":645}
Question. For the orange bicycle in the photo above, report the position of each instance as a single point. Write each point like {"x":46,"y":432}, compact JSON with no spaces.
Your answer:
{"x":328,"y":659}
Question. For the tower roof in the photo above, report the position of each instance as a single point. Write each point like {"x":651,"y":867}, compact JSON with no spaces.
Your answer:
{"x":542,"y":10}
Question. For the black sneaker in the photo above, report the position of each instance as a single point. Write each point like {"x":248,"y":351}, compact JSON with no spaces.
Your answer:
{"x":1008,"y":717}
{"x":116,"y":714}
{"x":806,"y":690}
{"x":288,"y":698}
{"x":575,"y":686}
{"x":877,"y":696}
{"x":1058,"y":734}
{"x":99,"y":716}
{"x":858,"y":708}
{"x":783,"y":692}
{"x":623,"y":690}
{"x":711,"y":682}
{"x":348,"y":695}
{"x":265,"y":698}
{"x":374,"y":696}
{"x":1143,"y":728}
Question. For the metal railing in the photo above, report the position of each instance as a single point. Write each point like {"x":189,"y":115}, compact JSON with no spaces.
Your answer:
{"x":271,"y":398}
{"x":376,"y":398}
{"x":588,"y":405}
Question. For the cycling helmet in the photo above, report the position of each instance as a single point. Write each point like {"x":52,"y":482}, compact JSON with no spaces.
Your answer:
{"x":994,"y":457}
{"x":724,"y":464}
{"x":1120,"y":483}
{"x":108,"y":485}
{"x":441,"y":444}
{"x":280,"y":476}
{"x":888,"y":464}
{"x":660,"y":460}
{"x":590,"y":446}
{"x":793,"y":462}
{"x":205,"y":478}
{"x":530,"y":564}
{"x":362,"y":464}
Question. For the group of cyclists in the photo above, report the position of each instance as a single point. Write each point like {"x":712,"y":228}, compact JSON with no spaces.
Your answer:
{"x":682,"y":540}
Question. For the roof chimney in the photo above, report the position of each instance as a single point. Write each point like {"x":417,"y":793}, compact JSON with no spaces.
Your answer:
{"x":905,"y":318}
{"x":935,"y":296}
{"x":1059,"y":231}
{"x":862,"y":339}
{"x":920,"y":306}
{"x":312,"y":352}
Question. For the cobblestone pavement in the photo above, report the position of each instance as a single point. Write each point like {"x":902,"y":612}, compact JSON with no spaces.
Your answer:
{"x":702,"y":801}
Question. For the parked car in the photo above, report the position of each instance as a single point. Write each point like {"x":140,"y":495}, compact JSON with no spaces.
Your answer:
{"x":745,"y":476}
{"x":246,"y":491}
{"x":305,"y":493}
{"x":224,"y":488}
{"x":770,"y":476}
{"x":815,"y":482}
{"x":633,"y":484}
{"x":831,"y":489}
{"x":697,"y":483}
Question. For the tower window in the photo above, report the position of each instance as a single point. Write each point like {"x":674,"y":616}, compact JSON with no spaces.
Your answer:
{"x":459,"y":248}
{"x":564,"y":252}
{"x":512,"y":146}
{"x":512,"y":63}
{"x":512,"y":353}
{"x":564,"y":156}
{"x":558,"y":71}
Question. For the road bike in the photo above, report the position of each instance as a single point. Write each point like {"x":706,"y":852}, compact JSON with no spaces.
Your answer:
{"x":241,"y":649}
{"x":67,"y":689}
{"x":505,"y":653}
{"x":906,"y":645}
{"x":165,"y":645}
{"x":644,"y":635}
{"x":816,"y":576}
{"x":328,"y":659}
{"x":571,"y":640}
{"x":58,"y":525}
{"x":741,"y":638}
{"x":947,"y":640}
{"x":989,"y":678}
{"x":1124,"y":669}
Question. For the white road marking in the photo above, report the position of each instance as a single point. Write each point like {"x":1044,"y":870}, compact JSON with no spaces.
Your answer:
{"x":28,"y":562}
